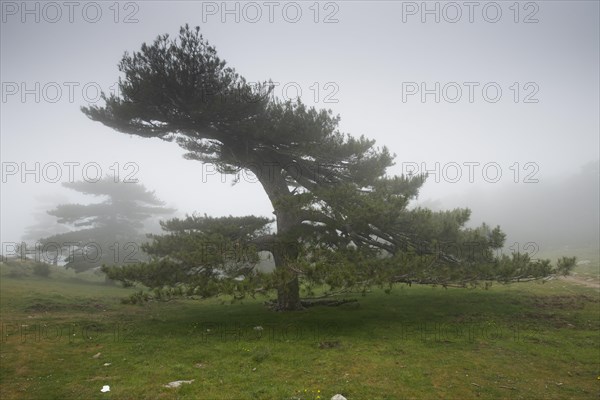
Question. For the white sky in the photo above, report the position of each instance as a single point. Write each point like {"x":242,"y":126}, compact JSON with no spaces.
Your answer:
{"x":366,"y":61}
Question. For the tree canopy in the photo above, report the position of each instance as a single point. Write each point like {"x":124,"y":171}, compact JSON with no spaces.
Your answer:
{"x":340,"y":218}
{"x":108,"y":232}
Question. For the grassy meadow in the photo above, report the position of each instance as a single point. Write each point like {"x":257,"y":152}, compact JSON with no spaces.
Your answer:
{"x":66,"y":336}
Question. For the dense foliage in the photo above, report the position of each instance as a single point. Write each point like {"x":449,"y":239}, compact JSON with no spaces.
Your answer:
{"x":340,"y":219}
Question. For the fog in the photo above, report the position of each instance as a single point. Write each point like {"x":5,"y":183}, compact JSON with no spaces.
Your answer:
{"x":558,"y":213}
{"x":500,"y":107}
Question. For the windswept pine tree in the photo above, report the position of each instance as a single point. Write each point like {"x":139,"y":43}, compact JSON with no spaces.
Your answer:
{"x":340,"y":219}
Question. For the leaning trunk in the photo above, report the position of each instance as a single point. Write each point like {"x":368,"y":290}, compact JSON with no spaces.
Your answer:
{"x":285,"y":252}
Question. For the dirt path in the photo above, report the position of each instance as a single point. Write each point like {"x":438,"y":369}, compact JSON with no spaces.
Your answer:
{"x":581,"y":281}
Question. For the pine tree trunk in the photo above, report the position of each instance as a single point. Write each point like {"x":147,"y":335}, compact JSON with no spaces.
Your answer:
{"x":288,"y":296}
{"x":286,"y":249}
{"x":288,"y":292}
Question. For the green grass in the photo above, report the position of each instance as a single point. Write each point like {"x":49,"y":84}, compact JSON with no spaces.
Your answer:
{"x":529,"y":341}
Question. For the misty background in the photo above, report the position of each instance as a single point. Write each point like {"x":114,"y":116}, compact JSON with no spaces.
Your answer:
{"x":359,"y":59}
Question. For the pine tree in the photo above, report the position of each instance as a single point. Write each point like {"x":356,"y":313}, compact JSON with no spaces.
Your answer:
{"x":333,"y":203}
{"x":108,"y":232}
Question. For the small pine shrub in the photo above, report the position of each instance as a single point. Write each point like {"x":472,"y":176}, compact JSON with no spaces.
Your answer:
{"x":41,"y":269}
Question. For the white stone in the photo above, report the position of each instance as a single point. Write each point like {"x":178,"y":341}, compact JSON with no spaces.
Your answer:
{"x":338,"y":397}
{"x":176,"y":384}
